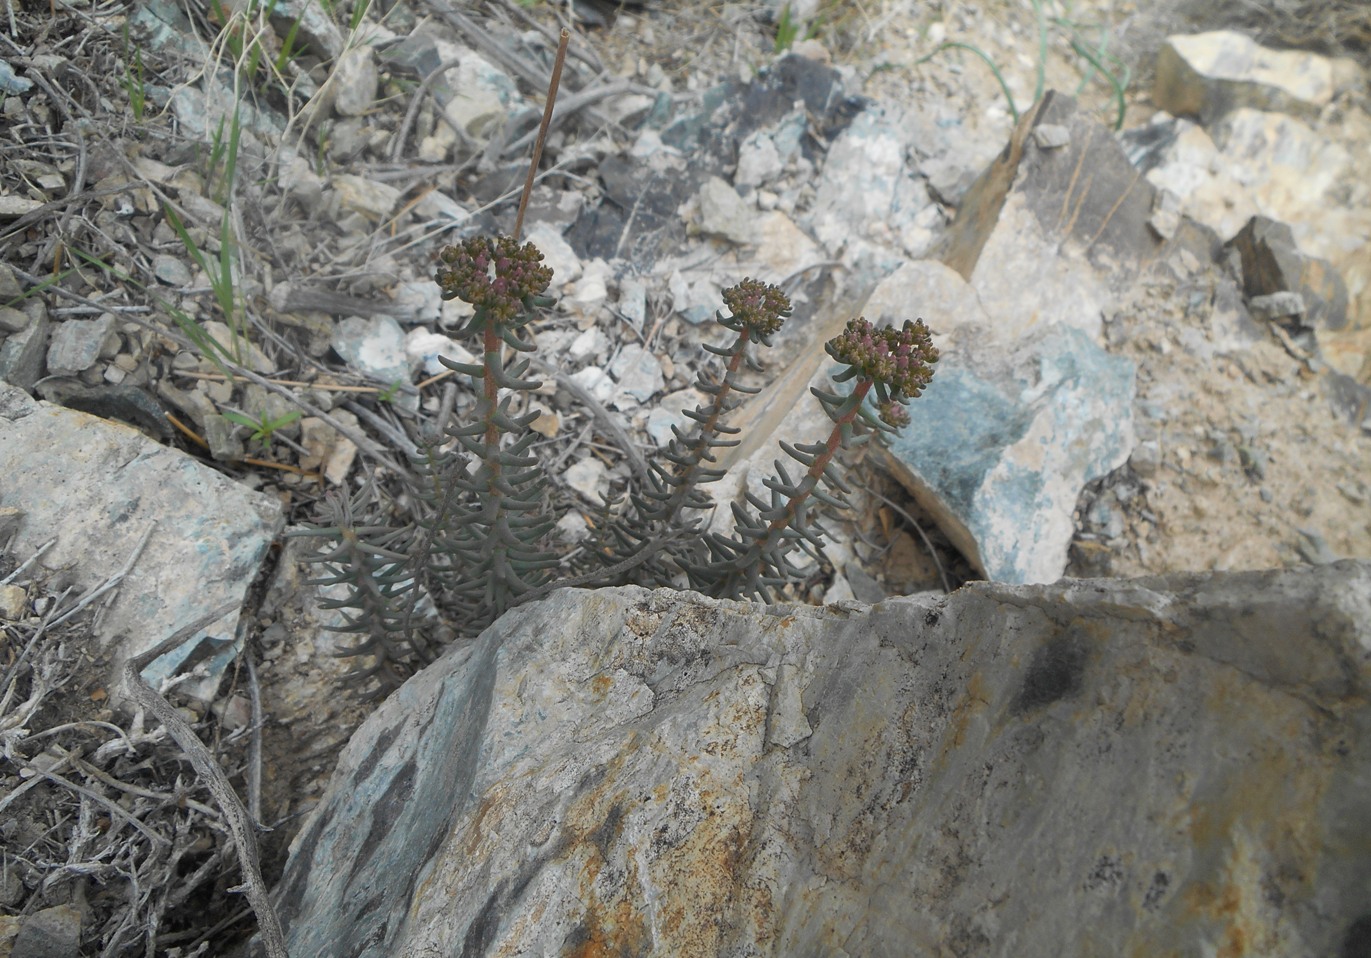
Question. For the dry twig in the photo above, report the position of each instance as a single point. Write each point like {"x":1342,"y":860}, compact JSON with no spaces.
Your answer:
{"x":241,"y":825}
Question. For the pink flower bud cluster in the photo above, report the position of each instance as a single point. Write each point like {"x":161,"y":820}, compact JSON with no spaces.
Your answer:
{"x":899,"y":359}
{"x":893,"y":414}
{"x":492,"y":273}
{"x":759,"y":306}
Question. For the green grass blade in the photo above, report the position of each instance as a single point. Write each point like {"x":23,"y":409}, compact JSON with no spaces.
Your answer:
{"x":359,"y":10}
{"x":180,"y":229}
{"x":1117,"y":83}
{"x":1042,"y":52}
{"x":958,"y":45}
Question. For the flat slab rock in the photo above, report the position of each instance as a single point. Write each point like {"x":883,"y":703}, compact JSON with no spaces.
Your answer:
{"x":97,"y":488}
{"x":1173,"y":765}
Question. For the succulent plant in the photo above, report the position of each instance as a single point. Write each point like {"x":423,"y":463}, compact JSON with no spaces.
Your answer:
{"x":897,"y":365}
{"x":479,"y":540}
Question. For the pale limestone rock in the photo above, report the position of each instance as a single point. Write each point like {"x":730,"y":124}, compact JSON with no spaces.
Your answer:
{"x":725,"y":214}
{"x":296,"y":178}
{"x":372,"y":199}
{"x":344,"y":451}
{"x":596,"y":381}
{"x":355,"y":78}
{"x":14,"y":601}
{"x":588,"y":477}
{"x":867,"y":197}
{"x":633,"y":301}
{"x":783,"y":249}
{"x":423,"y":349}
{"x":436,"y":205}
{"x":590,"y":291}
{"x":1064,"y":288}
{"x":1192,"y":168}
{"x":1158,"y":766}
{"x":76,"y":343}
{"x":12,"y":206}
{"x":1296,"y":174}
{"x":237,"y":343}
{"x":557,"y":253}
{"x":481,"y":95}
{"x":588,"y":344}
{"x":638,"y":373}
{"x":759,"y":160}
{"x":1208,"y":74}
{"x":373,"y":346}
{"x":1051,"y":236}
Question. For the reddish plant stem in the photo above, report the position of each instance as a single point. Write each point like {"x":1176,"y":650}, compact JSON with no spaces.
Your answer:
{"x":542,"y":130}
{"x":725,"y":387}
{"x":494,"y":500}
{"x":491,"y":389}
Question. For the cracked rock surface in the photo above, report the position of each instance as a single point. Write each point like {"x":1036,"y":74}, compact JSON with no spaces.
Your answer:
{"x":1176,"y":764}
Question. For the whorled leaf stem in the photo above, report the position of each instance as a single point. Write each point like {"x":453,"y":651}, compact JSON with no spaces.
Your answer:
{"x":897,"y":365}
{"x":481,"y":545}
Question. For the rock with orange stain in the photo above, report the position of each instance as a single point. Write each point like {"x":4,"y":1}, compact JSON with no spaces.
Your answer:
{"x":1165,"y":766}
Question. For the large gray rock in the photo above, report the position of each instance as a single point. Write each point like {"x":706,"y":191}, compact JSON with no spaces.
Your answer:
{"x":1174,"y":765}
{"x":1053,"y":234}
{"x":92,"y":490}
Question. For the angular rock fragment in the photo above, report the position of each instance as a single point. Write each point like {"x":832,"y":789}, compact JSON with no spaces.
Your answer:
{"x":1156,"y":766}
{"x":205,"y":533}
{"x":1045,"y":235}
{"x":1272,"y":264}
{"x":1208,"y":74}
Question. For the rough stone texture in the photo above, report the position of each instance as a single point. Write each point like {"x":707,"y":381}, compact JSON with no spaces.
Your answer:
{"x":355,"y":78}
{"x":22,"y":353}
{"x":1180,"y":158}
{"x":1290,"y":169}
{"x":1172,"y":765}
{"x":475,"y":93}
{"x":97,"y":487}
{"x":725,"y":214}
{"x":866,"y":192}
{"x":51,"y":933}
{"x":374,"y":347}
{"x":1013,"y":427}
{"x":1272,"y":263}
{"x":1208,"y":74}
{"x":371,"y":199}
{"x":76,"y":344}
{"x":1004,"y":440}
{"x":12,"y":320}
{"x":1044,"y":235}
